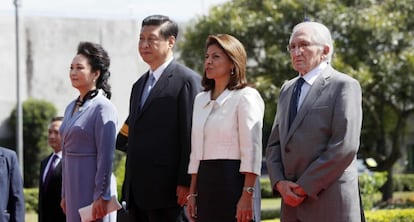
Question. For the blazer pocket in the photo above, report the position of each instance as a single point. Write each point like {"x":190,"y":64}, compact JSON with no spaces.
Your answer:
{"x":319,"y":107}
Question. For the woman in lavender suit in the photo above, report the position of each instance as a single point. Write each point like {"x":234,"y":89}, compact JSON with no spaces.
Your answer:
{"x":88,"y":136}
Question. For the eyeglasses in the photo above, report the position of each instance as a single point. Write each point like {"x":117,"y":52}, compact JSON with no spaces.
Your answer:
{"x":300,"y":46}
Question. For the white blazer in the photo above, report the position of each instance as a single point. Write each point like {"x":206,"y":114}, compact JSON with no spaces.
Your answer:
{"x":228,"y":128}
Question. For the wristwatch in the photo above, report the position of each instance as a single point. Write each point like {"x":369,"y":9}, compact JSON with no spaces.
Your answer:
{"x":249,"y":190}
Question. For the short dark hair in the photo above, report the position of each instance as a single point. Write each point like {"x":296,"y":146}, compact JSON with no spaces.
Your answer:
{"x":56,"y":118}
{"x":169,"y":27}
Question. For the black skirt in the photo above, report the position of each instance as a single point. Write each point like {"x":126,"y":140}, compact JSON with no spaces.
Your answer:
{"x":219,"y":187}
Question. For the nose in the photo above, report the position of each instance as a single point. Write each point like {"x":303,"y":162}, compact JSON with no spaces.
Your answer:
{"x":144,"y":43}
{"x":296,"y":51}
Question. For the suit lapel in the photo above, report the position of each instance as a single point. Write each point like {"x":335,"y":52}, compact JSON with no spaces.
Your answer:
{"x":284,"y":105}
{"x":161,"y":84}
{"x":313,"y":94}
{"x":138,"y":94}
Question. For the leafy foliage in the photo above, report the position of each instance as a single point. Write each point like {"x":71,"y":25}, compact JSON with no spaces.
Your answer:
{"x":36,"y":118}
{"x":369,"y":186}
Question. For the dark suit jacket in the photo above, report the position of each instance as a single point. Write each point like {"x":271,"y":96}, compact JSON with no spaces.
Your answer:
{"x":12,"y":207}
{"x":49,"y":199}
{"x":159,"y":138}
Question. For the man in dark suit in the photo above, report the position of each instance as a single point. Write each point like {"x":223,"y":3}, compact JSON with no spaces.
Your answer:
{"x":50,"y":181}
{"x":311,"y":152}
{"x":11,"y":188}
{"x":157,"y":132}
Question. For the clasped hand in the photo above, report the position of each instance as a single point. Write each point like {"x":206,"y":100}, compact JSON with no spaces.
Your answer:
{"x":292,"y":193}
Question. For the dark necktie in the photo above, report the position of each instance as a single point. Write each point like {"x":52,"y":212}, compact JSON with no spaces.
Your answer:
{"x":147,"y":88}
{"x":294,"y":100}
{"x":50,"y":171}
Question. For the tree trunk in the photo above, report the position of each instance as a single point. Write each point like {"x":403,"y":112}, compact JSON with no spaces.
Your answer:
{"x":387,"y":188}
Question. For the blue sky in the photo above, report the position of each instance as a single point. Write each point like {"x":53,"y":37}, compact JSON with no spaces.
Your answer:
{"x":180,"y":10}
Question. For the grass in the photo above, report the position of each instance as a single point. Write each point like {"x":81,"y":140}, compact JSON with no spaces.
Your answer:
{"x":31,"y":217}
{"x":270,"y":203}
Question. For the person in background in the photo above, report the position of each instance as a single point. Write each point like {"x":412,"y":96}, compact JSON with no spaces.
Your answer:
{"x":50,"y":181}
{"x":311,"y":152}
{"x":88,"y":133}
{"x":12,"y":208}
{"x":157,"y":133}
{"x":226,"y":152}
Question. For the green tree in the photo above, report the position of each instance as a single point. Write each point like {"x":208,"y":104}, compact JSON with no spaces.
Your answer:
{"x":36,"y":118}
{"x":373,"y":43}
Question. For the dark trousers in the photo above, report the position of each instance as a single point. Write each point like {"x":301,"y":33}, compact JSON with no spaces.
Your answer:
{"x":155,"y":215}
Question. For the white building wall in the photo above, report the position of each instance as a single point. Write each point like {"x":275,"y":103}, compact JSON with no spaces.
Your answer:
{"x":47,"y":46}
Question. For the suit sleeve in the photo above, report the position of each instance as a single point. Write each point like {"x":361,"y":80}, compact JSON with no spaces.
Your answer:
{"x":122,"y":137}
{"x":16,"y":197}
{"x":105,"y":133}
{"x":186,"y":99}
{"x":274,"y":162}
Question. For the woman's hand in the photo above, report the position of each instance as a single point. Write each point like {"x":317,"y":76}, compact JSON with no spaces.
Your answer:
{"x":63,"y":205}
{"x":245,"y":208}
{"x":192,"y":207}
{"x":99,"y":208}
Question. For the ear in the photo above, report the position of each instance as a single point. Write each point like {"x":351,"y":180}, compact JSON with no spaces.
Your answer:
{"x":171,"y":41}
{"x":97,"y":73}
{"x":326,"y":49}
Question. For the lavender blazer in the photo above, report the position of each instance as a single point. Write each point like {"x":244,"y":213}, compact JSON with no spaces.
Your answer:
{"x":88,"y":145}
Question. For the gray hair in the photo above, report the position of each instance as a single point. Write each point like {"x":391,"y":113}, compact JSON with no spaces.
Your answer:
{"x":321,"y":35}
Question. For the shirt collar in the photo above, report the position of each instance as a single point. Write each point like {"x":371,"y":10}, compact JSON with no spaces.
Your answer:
{"x":221,"y":99}
{"x":59,"y":154}
{"x":158,"y":72}
{"x":311,"y":76}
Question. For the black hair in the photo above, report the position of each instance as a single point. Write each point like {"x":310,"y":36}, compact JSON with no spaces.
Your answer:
{"x":99,"y":60}
{"x":169,"y":27}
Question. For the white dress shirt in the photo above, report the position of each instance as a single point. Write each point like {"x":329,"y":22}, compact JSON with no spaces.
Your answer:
{"x":310,"y":78}
{"x":228,"y":128}
{"x":49,"y":162}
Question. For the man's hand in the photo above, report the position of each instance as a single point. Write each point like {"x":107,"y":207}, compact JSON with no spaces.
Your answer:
{"x":291,"y":192}
{"x":182,"y":193}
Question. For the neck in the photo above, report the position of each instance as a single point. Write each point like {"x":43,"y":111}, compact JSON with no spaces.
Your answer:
{"x":218,"y":89}
{"x":156,"y":64}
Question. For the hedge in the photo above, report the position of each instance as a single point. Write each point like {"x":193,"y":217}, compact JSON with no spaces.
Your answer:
{"x":393,"y":215}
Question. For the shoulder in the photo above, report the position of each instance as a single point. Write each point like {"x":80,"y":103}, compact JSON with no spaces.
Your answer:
{"x":9,"y":156}
{"x":184,"y":71}
{"x":248,"y":93}
{"x":103,"y":101}
{"x":338,"y":76}
{"x":104,"y":106}
{"x":7,"y":152}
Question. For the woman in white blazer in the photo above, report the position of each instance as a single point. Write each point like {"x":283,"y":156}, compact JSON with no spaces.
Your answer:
{"x":226,"y":155}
